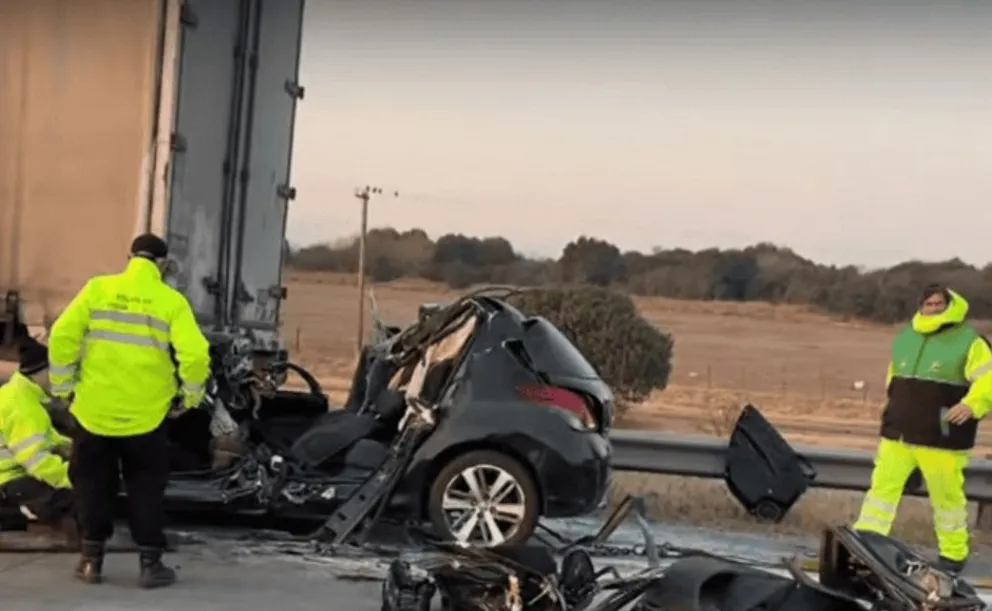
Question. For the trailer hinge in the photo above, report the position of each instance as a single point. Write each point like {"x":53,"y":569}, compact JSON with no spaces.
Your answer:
{"x":277,"y":292}
{"x":286,"y":192}
{"x":253,"y":62}
{"x":177,"y":143}
{"x":244,"y":176}
{"x":212,"y":285}
{"x":243,"y":295}
{"x":187,"y":16}
{"x":295,"y":89}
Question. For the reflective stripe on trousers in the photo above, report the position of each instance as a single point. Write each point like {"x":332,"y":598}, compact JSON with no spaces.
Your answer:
{"x":943,"y":472}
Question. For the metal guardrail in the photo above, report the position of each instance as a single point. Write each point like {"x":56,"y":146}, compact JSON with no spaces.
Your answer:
{"x":705,"y":456}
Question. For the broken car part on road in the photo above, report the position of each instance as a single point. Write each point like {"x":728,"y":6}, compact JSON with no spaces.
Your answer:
{"x":858,"y":571}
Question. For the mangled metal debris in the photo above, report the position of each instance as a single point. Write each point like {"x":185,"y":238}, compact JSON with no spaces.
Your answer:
{"x":857,"y":571}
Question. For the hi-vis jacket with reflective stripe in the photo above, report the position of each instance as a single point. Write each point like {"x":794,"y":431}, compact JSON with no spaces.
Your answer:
{"x":938,"y":361}
{"x":118,"y":347}
{"x":27,"y":437}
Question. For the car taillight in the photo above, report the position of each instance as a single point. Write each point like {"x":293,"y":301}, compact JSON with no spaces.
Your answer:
{"x":562,"y":398}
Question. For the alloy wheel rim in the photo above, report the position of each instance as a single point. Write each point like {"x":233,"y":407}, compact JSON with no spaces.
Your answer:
{"x":483,"y":505}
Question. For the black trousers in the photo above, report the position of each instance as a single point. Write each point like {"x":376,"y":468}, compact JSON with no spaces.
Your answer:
{"x":96,"y":467}
{"x":48,"y":504}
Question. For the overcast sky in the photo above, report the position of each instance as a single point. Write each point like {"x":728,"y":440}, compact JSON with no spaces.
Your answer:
{"x":859,"y":131}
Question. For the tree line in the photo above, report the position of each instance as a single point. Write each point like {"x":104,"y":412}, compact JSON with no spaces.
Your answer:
{"x":763,"y":272}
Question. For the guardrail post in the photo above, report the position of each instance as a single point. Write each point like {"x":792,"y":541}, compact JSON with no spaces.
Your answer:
{"x":983,"y":522}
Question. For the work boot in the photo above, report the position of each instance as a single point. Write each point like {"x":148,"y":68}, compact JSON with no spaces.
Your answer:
{"x":90,"y":566}
{"x":154,"y":574}
{"x":952,"y":567}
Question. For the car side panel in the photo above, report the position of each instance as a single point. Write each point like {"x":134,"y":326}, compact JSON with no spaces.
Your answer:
{"x":571,"y":467}
{"x":483,"y":410}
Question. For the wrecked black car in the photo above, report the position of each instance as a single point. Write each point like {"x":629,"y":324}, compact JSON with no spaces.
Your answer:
{"x":857,"y":571}
{"x":476,"y":419}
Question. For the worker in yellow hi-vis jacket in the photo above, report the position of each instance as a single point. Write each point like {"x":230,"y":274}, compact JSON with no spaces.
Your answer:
{"x":118,"y":349}
{"x":939,"y":387}
{"x":34,"y":472}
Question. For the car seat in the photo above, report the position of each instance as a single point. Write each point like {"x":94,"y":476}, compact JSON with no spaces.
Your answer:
{"x":388,"y":390}
{"x":335,"y":432}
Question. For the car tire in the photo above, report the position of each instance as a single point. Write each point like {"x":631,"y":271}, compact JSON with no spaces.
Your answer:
{"x":768,"y":511}
{"x":451,"y":498}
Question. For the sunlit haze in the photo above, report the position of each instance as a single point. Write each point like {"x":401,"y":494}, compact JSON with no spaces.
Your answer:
{"x":854,"y":132}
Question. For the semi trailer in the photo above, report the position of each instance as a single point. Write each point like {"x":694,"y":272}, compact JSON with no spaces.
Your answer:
{"x":124,"y":116}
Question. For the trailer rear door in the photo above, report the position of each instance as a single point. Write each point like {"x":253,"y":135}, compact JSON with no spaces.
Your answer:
{"x":202,"y":157}
{"x":268,"y":190}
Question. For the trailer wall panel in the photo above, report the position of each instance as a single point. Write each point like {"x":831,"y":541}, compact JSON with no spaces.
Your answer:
{"x":77,"y":101}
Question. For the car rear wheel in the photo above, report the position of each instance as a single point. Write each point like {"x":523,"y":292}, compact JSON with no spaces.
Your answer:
{"x":484,"y":498}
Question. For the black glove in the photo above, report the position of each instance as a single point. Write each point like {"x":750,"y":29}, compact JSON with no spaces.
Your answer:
{"x":59,"y":404}
{"x":177,"y":408}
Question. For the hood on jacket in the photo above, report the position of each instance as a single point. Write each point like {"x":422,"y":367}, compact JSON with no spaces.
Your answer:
{"x":954,"y":313}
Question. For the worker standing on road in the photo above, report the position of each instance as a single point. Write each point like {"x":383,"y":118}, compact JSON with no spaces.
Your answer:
{"x":118,"y":349}
{"x":939,"y":385}
{"x":34,"y":472}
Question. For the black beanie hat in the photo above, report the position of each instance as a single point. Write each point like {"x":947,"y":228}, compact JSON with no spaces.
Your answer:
{"x":149,"y":246}
{"x":34,"y":356}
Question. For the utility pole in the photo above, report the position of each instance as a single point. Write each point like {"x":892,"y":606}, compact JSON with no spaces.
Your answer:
{"x":364,"y":195}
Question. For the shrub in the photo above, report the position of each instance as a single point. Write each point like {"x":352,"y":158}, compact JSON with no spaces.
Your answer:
{"x":632,"y":355}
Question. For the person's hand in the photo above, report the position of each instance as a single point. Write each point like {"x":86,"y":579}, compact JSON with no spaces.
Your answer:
{"x":177,"y":409}
{"x":59,"y":403}
{"x":959,"y":414}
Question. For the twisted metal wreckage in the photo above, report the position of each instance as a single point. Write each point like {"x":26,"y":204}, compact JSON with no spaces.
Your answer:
{"x":427,"y":402}
{"x":855,"y":570}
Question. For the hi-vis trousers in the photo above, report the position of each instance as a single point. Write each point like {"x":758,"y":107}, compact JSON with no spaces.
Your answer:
{"x":943,"y":472}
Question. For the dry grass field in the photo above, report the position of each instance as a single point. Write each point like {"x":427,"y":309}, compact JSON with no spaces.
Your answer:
{"x":819,"y":379}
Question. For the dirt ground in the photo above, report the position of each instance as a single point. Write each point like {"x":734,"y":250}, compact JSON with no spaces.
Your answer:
{"x":818,"y":379}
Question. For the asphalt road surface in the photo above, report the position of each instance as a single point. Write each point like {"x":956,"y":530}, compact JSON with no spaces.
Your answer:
{"x":209,"y":579}
{"x":226,"y":571}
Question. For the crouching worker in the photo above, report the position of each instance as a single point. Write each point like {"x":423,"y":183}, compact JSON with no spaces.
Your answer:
{"x":939,"y":387}
{"x":34,"y":473}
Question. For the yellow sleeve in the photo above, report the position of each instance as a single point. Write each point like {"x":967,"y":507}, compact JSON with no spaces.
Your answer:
{"x":60,"y":440}
{"x":888,"y":374}
{"x":65,"y":342}
{"x":978,"y":370}
{"x":192,"y":353}
{"x":27,"y":438}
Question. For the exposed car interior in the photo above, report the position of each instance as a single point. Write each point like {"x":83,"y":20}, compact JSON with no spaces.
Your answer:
{"x":313,"y":437}
{"x":425,"y":413}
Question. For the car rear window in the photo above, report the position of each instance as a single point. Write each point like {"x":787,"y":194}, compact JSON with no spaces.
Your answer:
{"x":552,"y":352}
